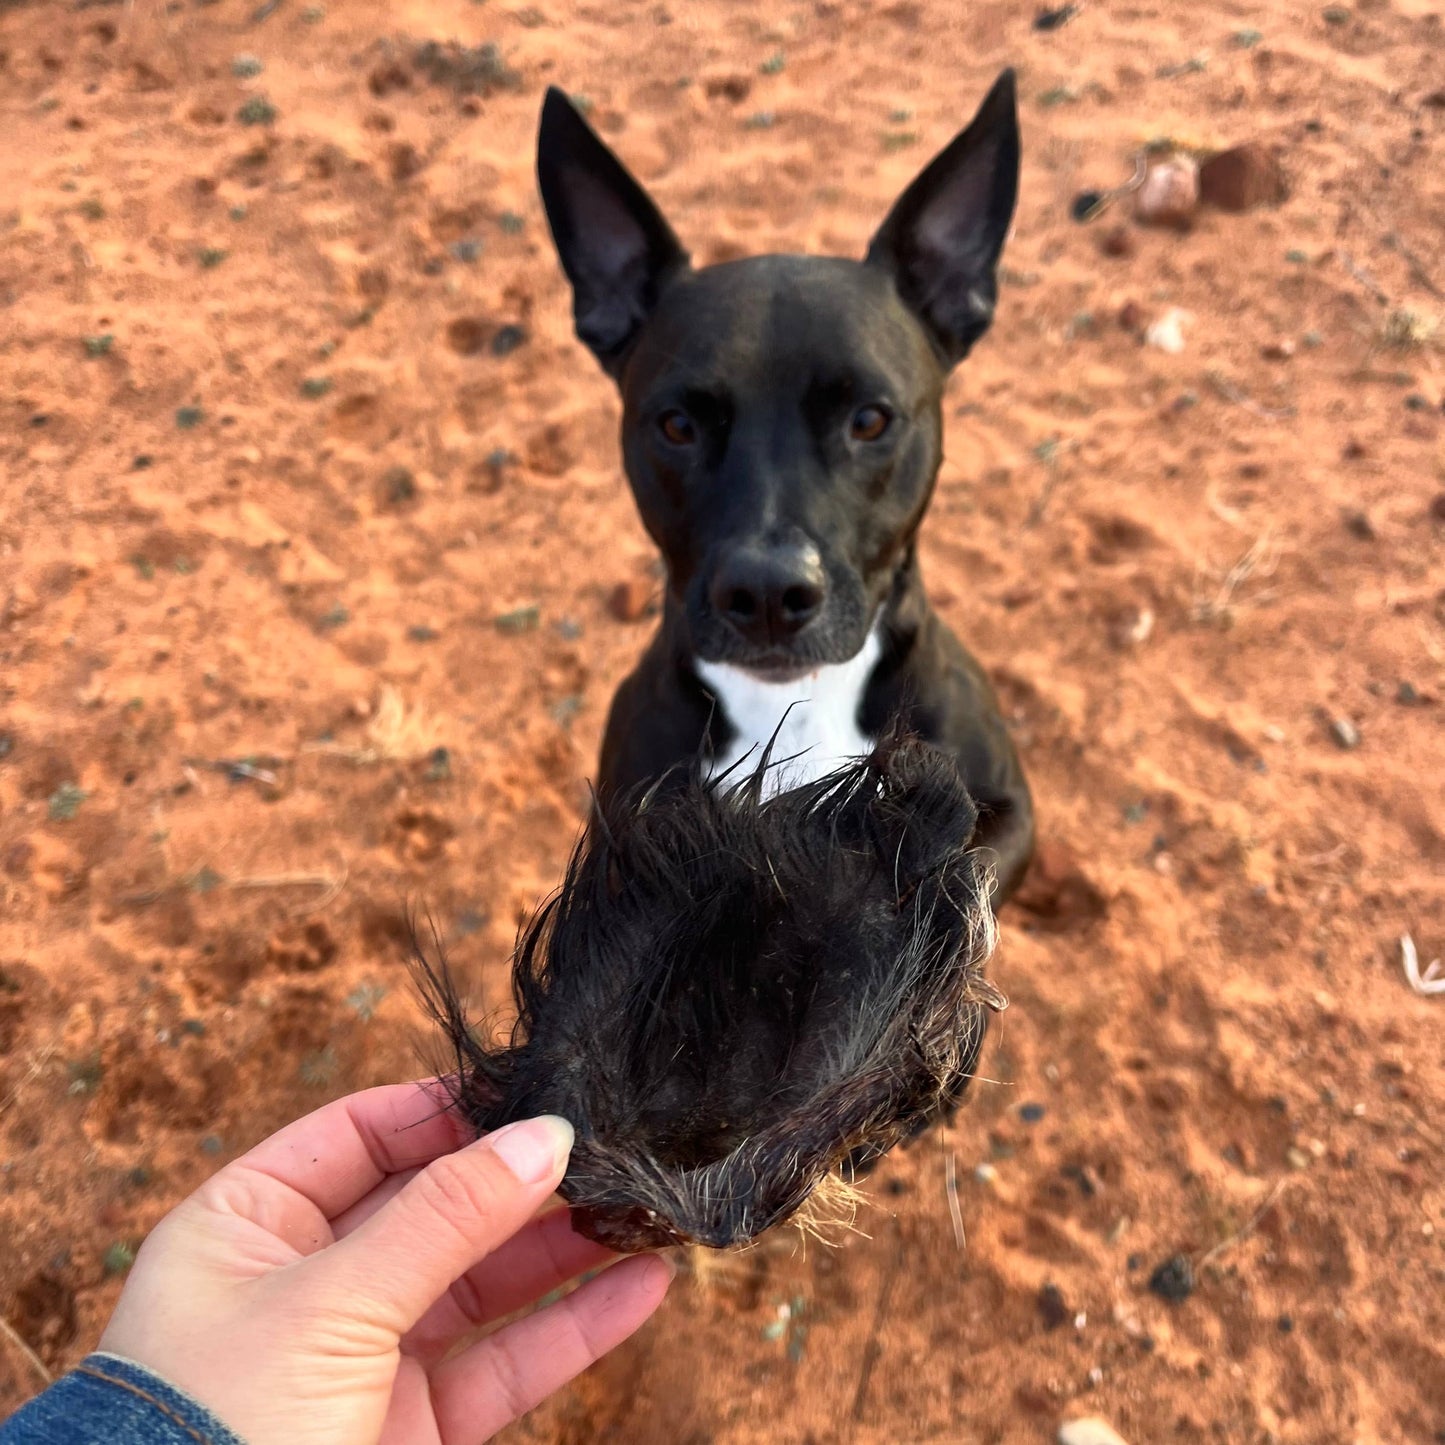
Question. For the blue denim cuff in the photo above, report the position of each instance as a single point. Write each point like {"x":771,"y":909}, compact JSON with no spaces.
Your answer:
{"x":106,"y":1400}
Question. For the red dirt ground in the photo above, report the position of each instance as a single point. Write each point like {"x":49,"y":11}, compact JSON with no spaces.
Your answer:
{"x":271,"y":493}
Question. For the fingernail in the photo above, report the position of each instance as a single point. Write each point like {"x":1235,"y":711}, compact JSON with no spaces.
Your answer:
{"x":534,"y":1149}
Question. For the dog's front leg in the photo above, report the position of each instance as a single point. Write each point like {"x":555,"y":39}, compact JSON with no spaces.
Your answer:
{"x":1006,"y":829}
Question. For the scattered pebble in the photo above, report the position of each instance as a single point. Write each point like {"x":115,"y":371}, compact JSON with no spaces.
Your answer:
{"x":1169,"y":193}
{"x":1277,"y":350}
{"x":1406,"y":694}
{"x":1055,"y":18}
{"x":1031,"y":1113}
{"x":1117,"y":242}
{"x":1131,"y":317}
{"x":1358,"y":524}
{"x":508,"y":339}
{"x":1297,"y":1158}
{"x":246,"y":67}
{"x":398,"y":485}
{"x":985,"y":1173}
{"x":1242,"y":178}
{"x":257,"y":111}
{"x":211,"y":1144}
{"x":118,"y":1258}
{"x":520,"y":619}
{"x":1085,"y":206}
{"x":1174,"y":1279}
{"x":1167,"y":333}
{"x":1286,"y":1325}
{"x":1437,"y":507}
{"x":65,"y":801}
{"x":1089,"y":1431}
{"x":1053,"y":1309}
{"x":1345,"y":733}
{"x":629,"y":600}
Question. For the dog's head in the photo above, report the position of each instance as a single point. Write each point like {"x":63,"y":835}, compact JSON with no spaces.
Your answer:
{"x":781,"y":420}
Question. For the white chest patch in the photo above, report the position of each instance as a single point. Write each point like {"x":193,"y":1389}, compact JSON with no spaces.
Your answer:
{"x":815,"y":718}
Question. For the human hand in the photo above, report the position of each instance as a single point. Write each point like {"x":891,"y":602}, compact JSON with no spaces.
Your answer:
{"x":311,"y":1290}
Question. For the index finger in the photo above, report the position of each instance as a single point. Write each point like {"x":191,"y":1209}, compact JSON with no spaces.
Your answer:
{"x":341,"y":1152}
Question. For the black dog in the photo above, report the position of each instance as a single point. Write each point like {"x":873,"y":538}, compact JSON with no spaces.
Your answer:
{"x":782,"y":432}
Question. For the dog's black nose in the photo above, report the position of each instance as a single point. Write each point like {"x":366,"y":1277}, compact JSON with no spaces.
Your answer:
{"x":768,"y":594}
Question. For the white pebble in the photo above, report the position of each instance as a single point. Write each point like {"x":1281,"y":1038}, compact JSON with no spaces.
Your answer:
{"x":1167,"y":333}
{"x":1089,"y":1431}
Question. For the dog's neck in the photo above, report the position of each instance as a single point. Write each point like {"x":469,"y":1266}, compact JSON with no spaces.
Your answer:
{"x":812,"y":721}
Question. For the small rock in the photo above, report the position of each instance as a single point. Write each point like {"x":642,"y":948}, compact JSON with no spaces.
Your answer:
{"x":1285,"y":1324}
{"x":1089,"y":1431}
{"x":508,"y":339}
{"x":1031,"y":1113}
{"x":1358,"y":524}
{"x":1085,"y":206}
{"x":1117,"y":242}
{"x":1297,"y":1158}
{"x":1277,"y":350}
{"x":1053,"y":1309}
{"x":519,"y":619}
{"x":1134,"y":627}
{"x":1174,"y":1279}
{"x":1055,"y":18}
{"x":1354,"y":450}
{"x":1169,"y":193}
{"x":1167,"y":333}
{"x":1406,"y":694}
{"x":1131,"y":318}
{"x":629,"y":600}
{"x":1437,"y":507}
{"x":1242,"y":178}
{"x":1345,"y":733}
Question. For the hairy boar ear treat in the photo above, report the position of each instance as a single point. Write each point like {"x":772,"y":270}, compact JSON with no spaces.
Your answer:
{"x":733,"y":997}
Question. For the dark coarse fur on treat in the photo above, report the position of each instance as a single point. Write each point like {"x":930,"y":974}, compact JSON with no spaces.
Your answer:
{"x":732,"y":996}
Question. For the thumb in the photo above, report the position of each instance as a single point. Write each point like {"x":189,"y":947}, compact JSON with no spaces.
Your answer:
{"x":455,"y":1212}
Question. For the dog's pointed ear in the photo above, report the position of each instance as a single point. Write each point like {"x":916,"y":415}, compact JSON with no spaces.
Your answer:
{"x":942,"y":239}
{"x":616,"y":248}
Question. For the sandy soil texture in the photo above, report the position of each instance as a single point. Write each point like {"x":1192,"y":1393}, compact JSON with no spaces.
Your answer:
{"x":317,"y":571}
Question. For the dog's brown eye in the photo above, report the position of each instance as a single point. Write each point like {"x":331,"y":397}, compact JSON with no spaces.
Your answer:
{"x":677,"y":427}
{"x":869,"y":423}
